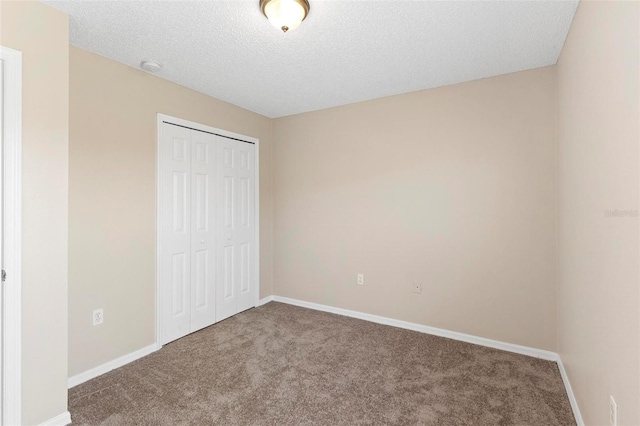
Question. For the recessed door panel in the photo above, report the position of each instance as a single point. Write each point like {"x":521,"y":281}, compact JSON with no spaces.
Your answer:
{"x":227,"y":273}
{"x":202,"y":202}
{"x":228,"y":201}
{"x":180,"y":148}
{"x":244,"y":268}
{"x":201,"y":277}
{"x":244,"y":201}
{"x":202,"y":151}
{"x":180,"y":201}
{"x":228,"y":156}
{"x":244,"y":160}
{"x":180,"y":283}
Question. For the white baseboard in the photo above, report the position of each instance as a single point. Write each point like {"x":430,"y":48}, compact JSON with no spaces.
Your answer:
{"x":265,"y":301}
{"x":108,"y":366}
{"x":510,"y":347}
{"x":572,"y":397}
{"x":62,"y":419}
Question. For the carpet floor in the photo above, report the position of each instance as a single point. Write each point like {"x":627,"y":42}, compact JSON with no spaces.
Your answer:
{"x":283,"y":365}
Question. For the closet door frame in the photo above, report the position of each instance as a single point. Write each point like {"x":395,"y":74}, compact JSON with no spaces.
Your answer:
{"x":161,"y":119}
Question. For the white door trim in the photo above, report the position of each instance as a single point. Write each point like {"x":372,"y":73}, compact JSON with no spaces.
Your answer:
{"x":180,"y":122}
{"x":12,"y":288}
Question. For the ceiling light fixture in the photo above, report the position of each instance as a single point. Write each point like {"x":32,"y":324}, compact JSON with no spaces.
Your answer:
{"x":285,"y":15}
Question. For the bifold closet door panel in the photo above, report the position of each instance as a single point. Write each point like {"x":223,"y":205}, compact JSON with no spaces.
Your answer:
{"x":246,"y":227}
{"x":236,"y":228}
{"x":176,"y":229}
{"x":227,"y":253}
{"x":203,"y":250}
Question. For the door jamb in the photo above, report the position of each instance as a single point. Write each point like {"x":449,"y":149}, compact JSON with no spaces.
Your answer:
{"x":174,"y":120}
{"x":12,"y":288}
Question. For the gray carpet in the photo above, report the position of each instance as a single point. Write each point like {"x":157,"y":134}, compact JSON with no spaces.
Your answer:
{"x":284,"y":365}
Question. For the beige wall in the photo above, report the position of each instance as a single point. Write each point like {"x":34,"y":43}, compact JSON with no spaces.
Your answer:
{"x":112,"y":210}
{"x":41,"y":33}
{"x":598,"y":298}
{"x":454,"y":188}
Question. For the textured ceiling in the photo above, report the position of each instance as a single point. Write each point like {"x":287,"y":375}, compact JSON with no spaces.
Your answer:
{"x":344,"y":52}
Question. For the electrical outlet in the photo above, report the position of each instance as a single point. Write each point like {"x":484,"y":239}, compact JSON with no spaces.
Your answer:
{"x":613,"y":411}
{"x":360,"y":279}
{"x":98,"y":316}
{"x":417,"y":288}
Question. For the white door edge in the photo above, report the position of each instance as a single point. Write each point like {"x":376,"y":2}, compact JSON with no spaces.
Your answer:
{"x":12,"y":179}
{"x":162,"y":118}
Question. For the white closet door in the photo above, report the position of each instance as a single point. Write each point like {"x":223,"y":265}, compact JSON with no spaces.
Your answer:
{"x":208,"y":258}
{"x":203,"y":259}
{"x":236,"y":228}
{"x":227,"y":287}
{"x":176,"y":231}
{"x":245,"y":226}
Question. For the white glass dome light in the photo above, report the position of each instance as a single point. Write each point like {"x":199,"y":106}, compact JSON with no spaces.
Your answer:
{"x":285,"y":15}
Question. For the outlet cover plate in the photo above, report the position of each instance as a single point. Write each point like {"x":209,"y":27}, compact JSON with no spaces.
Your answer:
{"x":98,"y":317}
{"x":417,"y":288}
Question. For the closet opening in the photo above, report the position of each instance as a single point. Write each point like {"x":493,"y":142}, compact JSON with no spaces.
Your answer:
{"x":207,"y":226}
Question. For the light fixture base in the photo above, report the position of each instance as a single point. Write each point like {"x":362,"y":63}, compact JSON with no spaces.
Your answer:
{"x":304,"y":4}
